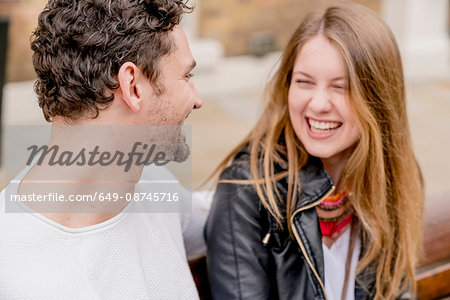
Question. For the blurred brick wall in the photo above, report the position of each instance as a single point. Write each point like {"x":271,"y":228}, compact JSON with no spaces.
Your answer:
{"x":234,"y":21}
{"x":230,"y":21}
{"x":22,"y":21}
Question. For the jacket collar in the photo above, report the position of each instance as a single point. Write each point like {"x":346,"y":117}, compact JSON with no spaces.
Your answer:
{"x":314,"y":179}
{"x":315,"y":183}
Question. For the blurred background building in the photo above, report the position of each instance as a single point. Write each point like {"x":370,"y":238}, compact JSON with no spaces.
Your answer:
{"x":236,"y":44}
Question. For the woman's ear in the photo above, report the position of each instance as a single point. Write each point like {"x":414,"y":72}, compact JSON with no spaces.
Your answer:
{"x":129,"y":75}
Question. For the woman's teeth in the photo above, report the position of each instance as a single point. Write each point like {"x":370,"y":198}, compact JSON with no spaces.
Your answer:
{"x":321,"y":127}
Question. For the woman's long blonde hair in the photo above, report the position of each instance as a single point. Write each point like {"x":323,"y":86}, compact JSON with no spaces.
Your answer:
{"x":382,"y":173}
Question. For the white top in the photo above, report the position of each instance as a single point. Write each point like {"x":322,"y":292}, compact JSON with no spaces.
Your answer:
{"x":335,"y":259}
{"x":130,"y":256}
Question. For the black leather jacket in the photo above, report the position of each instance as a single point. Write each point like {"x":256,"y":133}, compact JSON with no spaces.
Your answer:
{"x":250,"y":257}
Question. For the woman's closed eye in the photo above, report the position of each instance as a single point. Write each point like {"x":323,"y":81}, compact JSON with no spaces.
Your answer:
{"x":304,"y":82}
{"x":340,"y":87}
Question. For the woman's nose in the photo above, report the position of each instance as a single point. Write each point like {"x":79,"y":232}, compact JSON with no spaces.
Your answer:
{"x":321,"y":100}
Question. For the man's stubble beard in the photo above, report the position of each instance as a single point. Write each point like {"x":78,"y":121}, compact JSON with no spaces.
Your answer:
{"x":171,"y":140}
{"x":180,"y":150}
{"x":176,"y":150}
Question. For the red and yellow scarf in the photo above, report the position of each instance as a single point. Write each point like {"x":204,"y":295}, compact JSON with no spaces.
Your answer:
{"x":334,"y":212}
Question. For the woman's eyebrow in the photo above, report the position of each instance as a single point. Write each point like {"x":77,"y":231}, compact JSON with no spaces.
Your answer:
{"x":339,"y":78}
{"x":303,"y":73}
{"x":309,"y":76}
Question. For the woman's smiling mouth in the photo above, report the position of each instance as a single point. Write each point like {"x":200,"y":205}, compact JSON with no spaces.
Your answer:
{"x":317,"y":126}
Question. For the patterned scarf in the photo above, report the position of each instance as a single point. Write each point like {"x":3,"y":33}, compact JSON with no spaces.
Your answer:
{"x":334,"y":212}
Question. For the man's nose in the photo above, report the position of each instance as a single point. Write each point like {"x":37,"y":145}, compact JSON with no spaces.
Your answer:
{"x":197,"y":101}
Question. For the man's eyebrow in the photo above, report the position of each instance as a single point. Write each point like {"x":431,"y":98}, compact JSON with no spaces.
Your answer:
{"x":191,"y":66}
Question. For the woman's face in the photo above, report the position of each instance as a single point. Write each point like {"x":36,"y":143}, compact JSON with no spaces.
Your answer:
{"x":319,"y":106}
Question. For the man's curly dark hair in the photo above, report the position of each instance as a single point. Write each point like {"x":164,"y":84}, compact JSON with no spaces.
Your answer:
{"x":79,"y":46}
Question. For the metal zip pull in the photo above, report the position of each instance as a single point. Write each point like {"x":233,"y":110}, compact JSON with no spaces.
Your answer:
{"x":265,"y":240}
{"x":272,"y":228}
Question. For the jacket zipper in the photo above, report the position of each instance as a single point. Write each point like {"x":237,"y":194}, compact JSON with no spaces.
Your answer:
{"x":299,"y":240}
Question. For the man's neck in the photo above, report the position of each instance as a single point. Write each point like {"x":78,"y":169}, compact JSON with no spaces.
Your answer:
{"x":79,"y":195}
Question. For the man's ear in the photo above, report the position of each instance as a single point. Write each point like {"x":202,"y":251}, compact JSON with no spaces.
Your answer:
{"x":129,"y":75}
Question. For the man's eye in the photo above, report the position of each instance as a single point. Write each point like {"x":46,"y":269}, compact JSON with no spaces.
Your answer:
{"x":190,"y":75}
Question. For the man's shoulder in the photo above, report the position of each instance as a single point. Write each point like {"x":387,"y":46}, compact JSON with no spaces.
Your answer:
{"x":2,"y":203}
{"x":9,"y":199}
